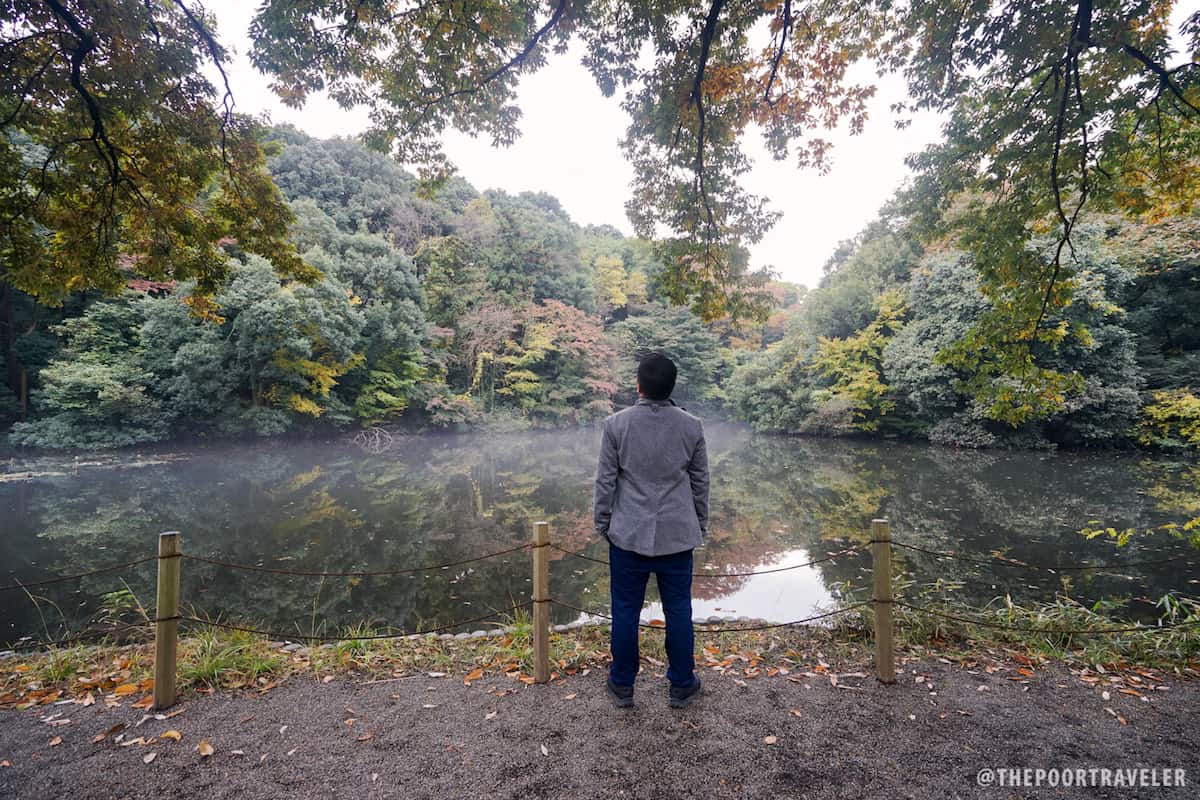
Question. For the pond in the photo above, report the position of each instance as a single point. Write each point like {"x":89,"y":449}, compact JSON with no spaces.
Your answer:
{"x":776,"y":502}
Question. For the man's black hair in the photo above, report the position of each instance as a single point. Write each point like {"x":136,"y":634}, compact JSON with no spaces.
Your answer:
{"x":656,"y":376}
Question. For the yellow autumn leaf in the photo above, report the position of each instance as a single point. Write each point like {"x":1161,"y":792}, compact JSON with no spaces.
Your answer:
{"x":204,"y":748}
{"x":173,"y":735}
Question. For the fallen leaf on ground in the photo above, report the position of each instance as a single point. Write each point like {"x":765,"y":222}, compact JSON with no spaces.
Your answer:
{"x":145,"y":702}
{"x":473,"y":675}
{"x":88,"y":700}
{"x":205,"y":748}
{"x":365,"y":737}
{"x":237,"y":752}
{"x":146,"y":759}
{"x":770,"y":739}
{"x":172,"y":735}
{"x":571,"y":696}
{"x":5,"y":763}
{"x":545,"y":750}
{"x":56,"y":741}
{"x":282,"y":729}
{"x":99,"y":737}
{"x":327,"y":679}
{"x":795,"y":712}
{"x":436,"y":674}
{"x":292,"y":752}
{"x":125,"y":689}
{"x":491,"y":715}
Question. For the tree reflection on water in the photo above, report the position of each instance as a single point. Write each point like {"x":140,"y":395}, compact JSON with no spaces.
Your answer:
{"x":434,"y":499}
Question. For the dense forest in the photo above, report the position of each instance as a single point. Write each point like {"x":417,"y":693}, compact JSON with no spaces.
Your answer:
{"x":170,"y":268}
{"x":460,"y":309}
{"x":444,"y":310}
{"x":888,"y":343}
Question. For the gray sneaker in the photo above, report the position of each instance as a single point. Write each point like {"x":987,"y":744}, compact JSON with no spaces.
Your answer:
{"x":681,"y":697}
{"x":621,"y":696}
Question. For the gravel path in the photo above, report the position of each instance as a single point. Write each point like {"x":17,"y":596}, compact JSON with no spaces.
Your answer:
{"x":433,"y":737}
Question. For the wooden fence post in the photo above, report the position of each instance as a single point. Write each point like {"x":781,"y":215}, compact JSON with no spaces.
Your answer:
{"x":166,"y":612}
{"x":881,"y":557}
{"x":541,"y":602}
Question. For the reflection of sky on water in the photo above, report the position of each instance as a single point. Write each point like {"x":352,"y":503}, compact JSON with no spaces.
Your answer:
{"x":775,"y":597}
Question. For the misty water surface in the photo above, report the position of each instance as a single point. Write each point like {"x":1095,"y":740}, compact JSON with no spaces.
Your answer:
{"x":432,"y":499}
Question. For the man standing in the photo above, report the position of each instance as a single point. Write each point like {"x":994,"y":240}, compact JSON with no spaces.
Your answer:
{"x":651,"y":504}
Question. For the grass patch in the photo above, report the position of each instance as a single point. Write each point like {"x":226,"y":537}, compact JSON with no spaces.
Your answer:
{"x":212,"y":657}
{"x":1063,"y":629}
{"x":215,"y":657}
{"x":60,"y":665}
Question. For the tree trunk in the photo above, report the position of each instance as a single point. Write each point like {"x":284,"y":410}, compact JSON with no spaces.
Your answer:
{"x":8,"y":336}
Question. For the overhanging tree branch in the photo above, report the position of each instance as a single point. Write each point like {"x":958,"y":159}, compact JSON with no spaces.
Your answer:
{"x":706,"y":39}
{"x":1164,"y":76}
{"x":513,"y":63}
{"x":785,"y":28}
{"x":218,"y":56}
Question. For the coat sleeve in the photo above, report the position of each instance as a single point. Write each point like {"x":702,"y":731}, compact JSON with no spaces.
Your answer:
{"x":698,"y":475}
{"x":606,"y":482}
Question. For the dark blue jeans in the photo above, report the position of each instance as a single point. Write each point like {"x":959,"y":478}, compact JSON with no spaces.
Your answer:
{"x":628,"y":574}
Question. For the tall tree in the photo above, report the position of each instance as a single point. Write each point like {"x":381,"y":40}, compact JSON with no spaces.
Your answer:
{"x":118,"y":155}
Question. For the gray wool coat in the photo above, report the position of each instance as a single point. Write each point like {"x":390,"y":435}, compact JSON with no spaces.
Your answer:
{"x":651,"y":492}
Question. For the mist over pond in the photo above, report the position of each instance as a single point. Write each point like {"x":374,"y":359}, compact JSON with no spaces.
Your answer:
{"x":331,"y":506}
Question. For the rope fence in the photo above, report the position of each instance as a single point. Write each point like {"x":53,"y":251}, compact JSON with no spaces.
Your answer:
{"x":494,"y":615}
{"x":367,"y":574}
{"x":65,"y":578}
{"x":847,"y":551}
{"x":739,"y":629}
{"x":1048,"y":631}
{"x":1007,"y":562}
{"x":882,"y":601}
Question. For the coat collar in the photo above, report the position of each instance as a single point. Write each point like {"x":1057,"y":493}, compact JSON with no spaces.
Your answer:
{"x":646,"y":401}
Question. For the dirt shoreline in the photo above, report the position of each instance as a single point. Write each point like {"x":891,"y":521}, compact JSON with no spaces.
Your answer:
{"x":434,"y":737}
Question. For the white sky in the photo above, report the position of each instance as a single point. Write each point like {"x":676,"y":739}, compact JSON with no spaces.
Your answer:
{"x":569,"y":148}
